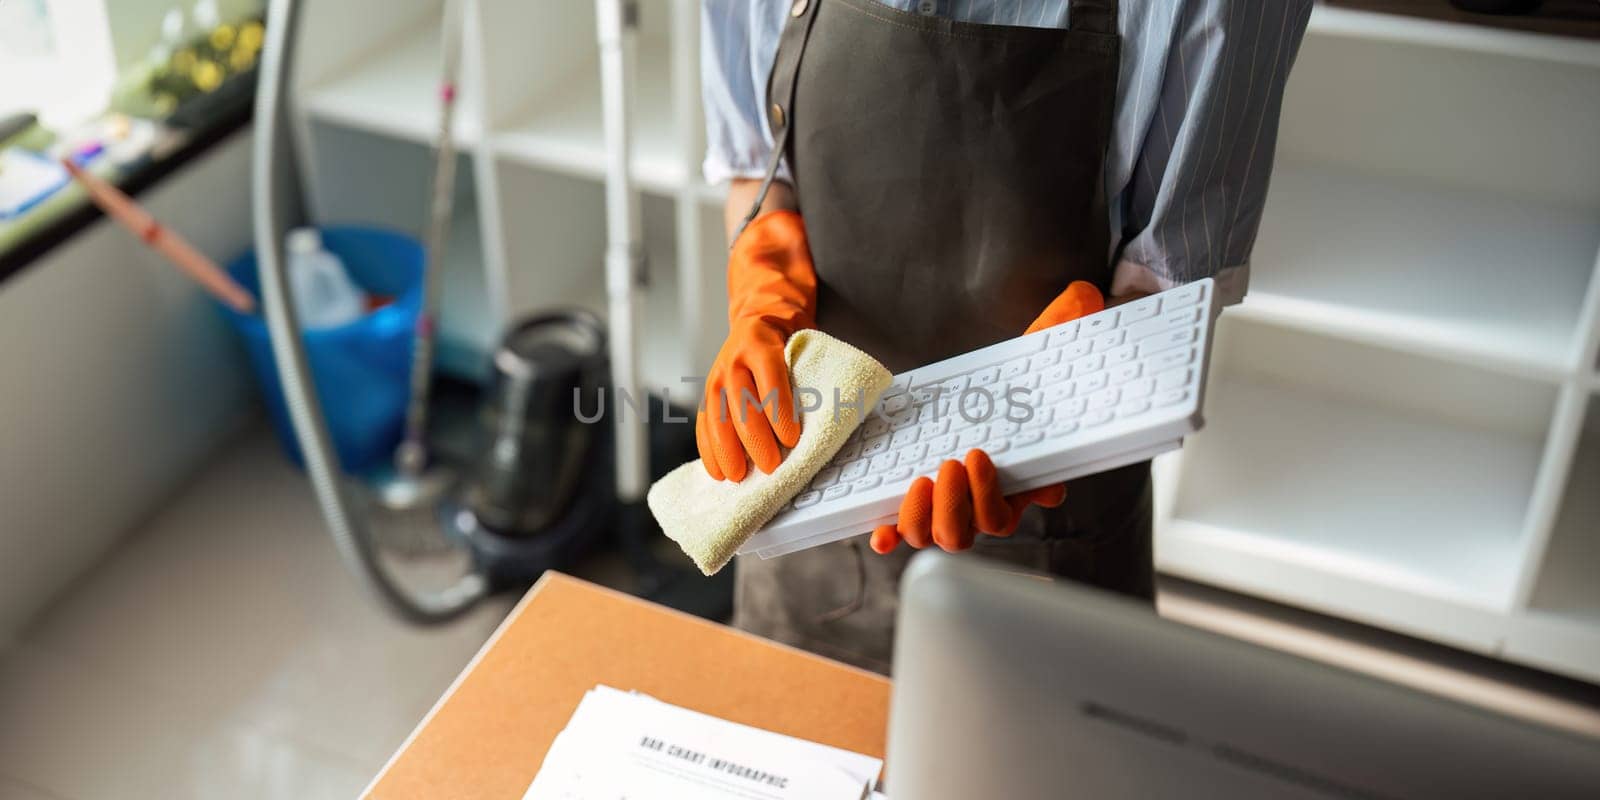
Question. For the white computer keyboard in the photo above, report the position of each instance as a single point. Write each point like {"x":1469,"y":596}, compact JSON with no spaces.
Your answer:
{"x":1105,"y":390}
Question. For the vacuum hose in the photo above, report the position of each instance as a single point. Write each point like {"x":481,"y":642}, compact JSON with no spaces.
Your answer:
{"x":349,"y":531}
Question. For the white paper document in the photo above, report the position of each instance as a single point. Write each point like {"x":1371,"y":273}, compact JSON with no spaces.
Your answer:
{"x":624,"y":746}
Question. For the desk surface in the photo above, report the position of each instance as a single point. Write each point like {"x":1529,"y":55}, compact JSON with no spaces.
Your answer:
{"x":487,"y":736}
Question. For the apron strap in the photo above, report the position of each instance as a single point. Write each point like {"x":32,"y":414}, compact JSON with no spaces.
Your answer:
{"x":780,"y":93}
{"x":1094,"y":16}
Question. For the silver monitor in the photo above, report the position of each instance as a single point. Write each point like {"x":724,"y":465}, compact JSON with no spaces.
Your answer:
{"x":1013,"y":686}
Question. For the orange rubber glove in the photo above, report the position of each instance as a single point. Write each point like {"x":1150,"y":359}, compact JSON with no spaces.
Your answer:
{"x":772,"y":292}
{"x":965,"y":499}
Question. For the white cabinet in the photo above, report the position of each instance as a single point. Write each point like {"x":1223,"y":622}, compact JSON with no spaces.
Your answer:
{"x":1397,"y":414}
{"x":1394,"y":424}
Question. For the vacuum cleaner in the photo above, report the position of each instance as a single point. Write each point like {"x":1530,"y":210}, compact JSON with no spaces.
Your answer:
{"x":545,"y":487}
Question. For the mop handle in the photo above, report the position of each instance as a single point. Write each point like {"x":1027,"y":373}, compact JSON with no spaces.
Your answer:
{"x":412,"y":457}
{"x":176,"y":249}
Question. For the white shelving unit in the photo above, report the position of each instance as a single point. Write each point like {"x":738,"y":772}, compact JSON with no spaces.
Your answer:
{"x":1397,"y":414}
{"x":528,"y":234}
{"x":1433,"y":270}
{"x":394,"y":93}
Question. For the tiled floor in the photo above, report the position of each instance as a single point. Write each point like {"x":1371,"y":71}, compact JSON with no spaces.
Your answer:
{"x":222,"y":652}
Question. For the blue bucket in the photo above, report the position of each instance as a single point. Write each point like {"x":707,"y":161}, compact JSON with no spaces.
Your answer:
{"x":361,"y":370}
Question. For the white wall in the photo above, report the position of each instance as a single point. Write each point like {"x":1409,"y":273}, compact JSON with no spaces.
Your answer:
{"x":117,"y":379}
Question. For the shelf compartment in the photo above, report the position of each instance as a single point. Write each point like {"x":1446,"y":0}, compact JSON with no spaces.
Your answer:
{"x":1500,"y":112}
{"x":1398,"y":499}
{"x":555,"y":248}
{"x":561,"y":129}
{"x":1561,"y":626}
{"x":394,"y":91}
{"x":1453,"y":273}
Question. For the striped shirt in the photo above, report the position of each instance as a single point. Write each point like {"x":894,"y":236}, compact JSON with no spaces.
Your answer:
{"x":1198,"y":97}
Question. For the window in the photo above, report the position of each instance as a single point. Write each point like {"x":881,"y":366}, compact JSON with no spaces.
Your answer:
{"x":56,"y":59}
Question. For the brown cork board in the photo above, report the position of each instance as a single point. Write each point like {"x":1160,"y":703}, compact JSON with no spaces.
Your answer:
{"x":488,"y":735}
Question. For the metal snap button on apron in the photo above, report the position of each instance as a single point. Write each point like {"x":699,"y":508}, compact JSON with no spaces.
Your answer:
{"x":777,"y":115}
{"x":798,"y":8}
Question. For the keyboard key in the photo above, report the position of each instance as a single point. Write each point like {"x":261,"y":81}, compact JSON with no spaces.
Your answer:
{"x":897,"y":475}
{"x":827,"y":477}
{"x":938,"y":427}
{"x":1099,"y":323}
{"x":1005,"y":430}
{"x":874,"y":426}
{"x":1171,"y":398}
{"x":1056,"y":394}
{"x":1121,"y":355}
{"x":1106,"y":341}
{"x":942,"y":446}
{"x":1139,"y":310}
{"x":1125,"y":373}
{"x":1173,"y":379}
{"x":854,"y":469}
{"x":997,"y":447}
{"x":923,"y":395}
{"x":1133,"y":407}
{"x":905,"y":419}
{"x":884,"y":462}
{"x":914,"y":453}
{"x":1041,"y":418}
{"x":1092,"y":383}
{"x":1044,"y":361}
{"x":807,"y":499}
{"x":1014,"y":368}
{"x":1063,"y":333}
{"x":901,"y":438}
{"x":1076,"y":350}
{"x":1188,"y":316}
{"x":1104,"y":400}
{"x":863,"y":484}
{"x":972,"y":437}
{"x":1094,"y":418}
{"x":836,"y":492}
{"x":1029,"y":381}
{"x":1027,"y":437}
{"x":1156,"y":344}
{"x":1073,"y":408}
{"x":1182,"y":296}
{"x":850,"y":452}
{"x":1088,"y":365}
{"x":1056,"y":374}
{"x":986,"y":376}
{"x":874,"y":446}
{"x":893,"y":405}
{"x":1144,"y":387}
{"x":1171,"y":358}
{"x":929,"y":466}
{"x":1060,"y":429}
{"x":1159,"y":325}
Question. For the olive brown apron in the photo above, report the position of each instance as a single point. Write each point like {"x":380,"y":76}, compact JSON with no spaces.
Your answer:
{"x":951,"y":179}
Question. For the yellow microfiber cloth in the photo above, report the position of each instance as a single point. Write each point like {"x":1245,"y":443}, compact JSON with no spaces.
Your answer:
{"x":711,"y":519}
